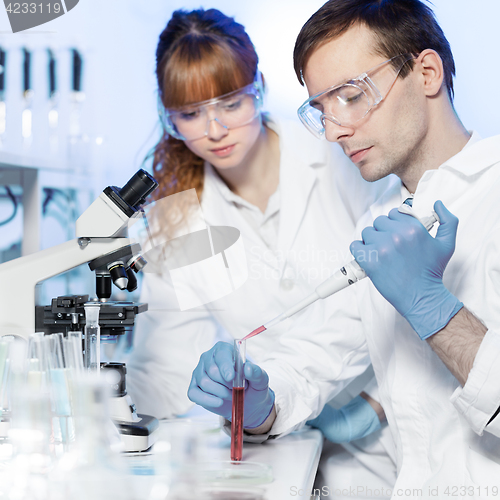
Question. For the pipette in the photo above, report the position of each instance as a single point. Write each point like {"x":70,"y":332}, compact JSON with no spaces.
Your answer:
{"x":347,"y":275}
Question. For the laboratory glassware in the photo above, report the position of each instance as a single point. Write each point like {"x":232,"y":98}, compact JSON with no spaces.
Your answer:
{"x":238,"y":400}
{"x":92,"y":354}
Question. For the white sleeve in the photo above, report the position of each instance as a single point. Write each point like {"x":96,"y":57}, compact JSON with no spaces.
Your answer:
{"x":479,"y":399}
{"x":371,"y":388}
{"x":323,"y":351}
{"x":167,"y":346}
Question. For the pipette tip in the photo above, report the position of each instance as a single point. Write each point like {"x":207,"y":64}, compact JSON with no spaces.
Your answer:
{"x":255,"y":332}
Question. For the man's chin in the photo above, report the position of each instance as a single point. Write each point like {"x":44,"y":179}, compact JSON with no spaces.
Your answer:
{"x":370,"y":173}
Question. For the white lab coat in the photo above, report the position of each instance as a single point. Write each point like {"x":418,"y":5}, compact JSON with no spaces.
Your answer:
{"x":435,"y":424}
{"x":322,"y":196}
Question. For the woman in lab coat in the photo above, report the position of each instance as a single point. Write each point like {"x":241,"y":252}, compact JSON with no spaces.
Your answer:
{"x":293,"y":199}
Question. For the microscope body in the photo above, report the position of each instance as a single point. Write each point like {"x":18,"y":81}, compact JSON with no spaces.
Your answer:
{"x":102,"y":242}
{"x":20,"y":277}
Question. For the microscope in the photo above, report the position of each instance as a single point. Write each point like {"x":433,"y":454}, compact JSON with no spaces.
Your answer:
{"x":101,"y":241}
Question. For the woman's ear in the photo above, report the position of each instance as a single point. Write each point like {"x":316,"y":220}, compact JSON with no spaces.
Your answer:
{"x":263,"y":80}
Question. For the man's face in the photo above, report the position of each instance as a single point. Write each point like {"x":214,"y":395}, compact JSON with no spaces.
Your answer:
{"x":391,"y":137}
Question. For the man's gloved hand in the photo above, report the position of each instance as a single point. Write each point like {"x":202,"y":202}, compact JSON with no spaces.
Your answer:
{"x":409,"y":266}
{"x":354,"y":420}
{"x":211,"y":386}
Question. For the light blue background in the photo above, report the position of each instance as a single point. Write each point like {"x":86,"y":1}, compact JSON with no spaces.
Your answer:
{"x":119,"y":37}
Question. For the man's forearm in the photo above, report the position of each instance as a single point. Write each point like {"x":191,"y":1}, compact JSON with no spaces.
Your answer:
{"x":375,"y":405}
{"x":458,"y":342}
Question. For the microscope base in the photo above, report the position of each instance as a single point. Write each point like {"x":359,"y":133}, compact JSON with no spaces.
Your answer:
{"x":138,"y":436}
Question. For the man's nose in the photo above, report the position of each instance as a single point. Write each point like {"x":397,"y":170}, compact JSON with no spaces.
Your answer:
{"x":334,"y":132}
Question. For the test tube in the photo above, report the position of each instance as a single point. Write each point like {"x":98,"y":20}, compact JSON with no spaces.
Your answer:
{"x":73,"y":351}
{"x":5,"y":343}
{"x":92,"y":355}
{"x":62,"y":422}
{"x":238,"y":400}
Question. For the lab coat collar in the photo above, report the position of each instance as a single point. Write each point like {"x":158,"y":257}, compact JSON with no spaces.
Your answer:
{"x":477,"y":155}
{"x":212,"y":178}
{"x":218,"y":205}
{"x":302,"y":159}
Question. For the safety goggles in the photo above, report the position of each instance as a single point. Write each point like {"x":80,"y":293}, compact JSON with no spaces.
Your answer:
{"x":231,"y":110}
{"x":349,"y":102}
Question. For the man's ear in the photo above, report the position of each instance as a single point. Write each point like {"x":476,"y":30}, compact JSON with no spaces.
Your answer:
{"x":430,"y":65}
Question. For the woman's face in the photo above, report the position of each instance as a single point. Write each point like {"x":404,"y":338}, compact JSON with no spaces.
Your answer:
{"x":227,"y":148}
{"x":224,"y":130}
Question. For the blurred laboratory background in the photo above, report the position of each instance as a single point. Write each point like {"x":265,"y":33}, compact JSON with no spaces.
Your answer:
{"x":78,"y":102}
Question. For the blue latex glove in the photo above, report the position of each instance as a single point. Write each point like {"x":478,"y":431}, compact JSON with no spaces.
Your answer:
{"x":211,"y":386}
{"x":409,"y":267}
{"x":354,"y":420}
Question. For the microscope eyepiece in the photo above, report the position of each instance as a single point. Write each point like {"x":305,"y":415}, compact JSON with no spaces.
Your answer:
{"x":138,"y":188}
{"x":132,"y":196}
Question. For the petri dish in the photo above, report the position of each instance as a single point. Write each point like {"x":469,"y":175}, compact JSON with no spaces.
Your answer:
{"x":234,"y":473}
{"x":235,"y":493}
{"x":217,"y":493}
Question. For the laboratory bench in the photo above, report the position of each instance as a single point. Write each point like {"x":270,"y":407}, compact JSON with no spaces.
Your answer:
{"x":292,"y":462}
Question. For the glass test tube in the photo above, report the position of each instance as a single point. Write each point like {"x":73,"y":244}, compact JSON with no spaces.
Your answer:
{"x":92,"y":355}
{"x":62,"y":422}
{"x":238,"y":400}
{"x":5,"y":344}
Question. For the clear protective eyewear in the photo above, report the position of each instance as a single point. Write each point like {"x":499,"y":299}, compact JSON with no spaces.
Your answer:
{"x":231,"y":110}
{"x":349,"y":102}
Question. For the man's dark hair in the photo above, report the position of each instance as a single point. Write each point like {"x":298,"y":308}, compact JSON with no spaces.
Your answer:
{"x":399,"y":26}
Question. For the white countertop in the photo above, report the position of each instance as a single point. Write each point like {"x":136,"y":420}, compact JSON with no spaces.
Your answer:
{"x":293,"y":459}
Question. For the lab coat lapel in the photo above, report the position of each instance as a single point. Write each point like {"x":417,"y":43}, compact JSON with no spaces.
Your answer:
{"x":297,"y":180}
{"x":219,"y":212}
{"x":392,"y":198}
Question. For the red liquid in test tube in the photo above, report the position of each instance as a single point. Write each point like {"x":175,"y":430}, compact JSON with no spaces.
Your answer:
{"x":237,"y":423}
{"x":238,"y":401}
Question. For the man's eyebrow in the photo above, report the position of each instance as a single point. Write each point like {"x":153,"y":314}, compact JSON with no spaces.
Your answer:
{"x":335,"y":86}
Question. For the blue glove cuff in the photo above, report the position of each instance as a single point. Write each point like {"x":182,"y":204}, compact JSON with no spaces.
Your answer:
{"x":354,"y":420}
{"x":434,"y":314}
{"x":363,"y":419}
{"x":269,"y":400}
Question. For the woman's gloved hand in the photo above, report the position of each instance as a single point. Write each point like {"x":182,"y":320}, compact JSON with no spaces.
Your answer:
{"x":406,"y":265}
{"x":211,"y":386}
{"x":354,"y":420}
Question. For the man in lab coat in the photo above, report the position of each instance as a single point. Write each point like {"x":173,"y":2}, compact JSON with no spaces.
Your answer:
{"x":431,"y":311}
